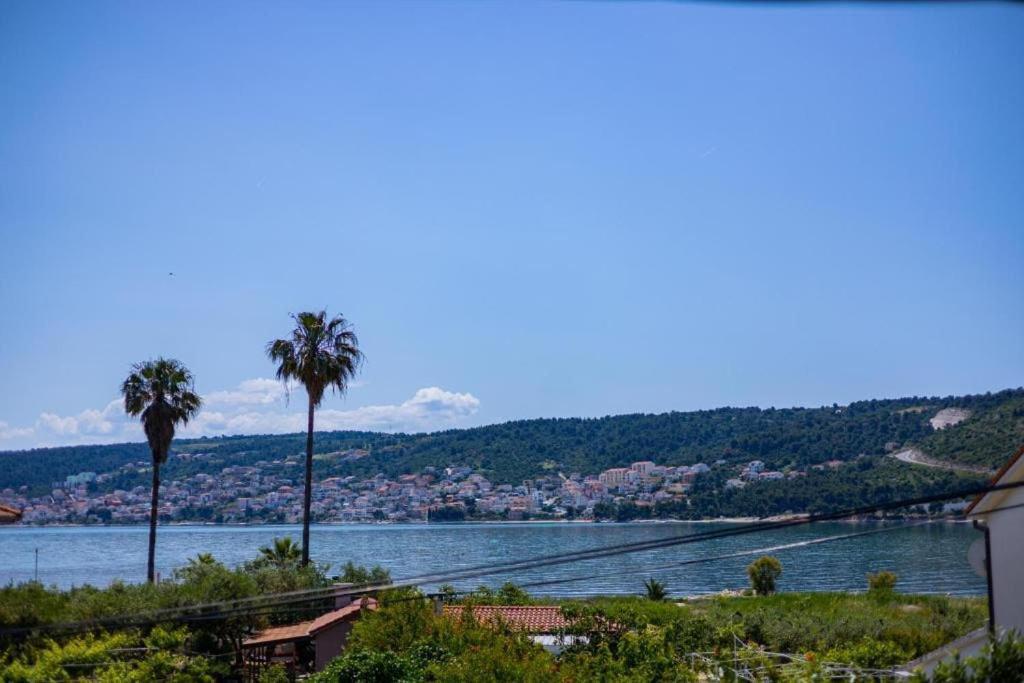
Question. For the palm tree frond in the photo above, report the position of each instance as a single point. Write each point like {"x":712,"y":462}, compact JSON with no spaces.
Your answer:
{"x":160,"y":393}
{"x":321,"y":354}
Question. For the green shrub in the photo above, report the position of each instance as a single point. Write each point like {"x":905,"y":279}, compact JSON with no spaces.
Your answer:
{"x":164,"y":666}
{"x":763,"y":573}
{"x":370,"y":666}
{"x":63,"y":661}
{"x":94,"y":657}
{"x":508,"y":594}
{"x":496,"y":658}
{"x":871,"y":653}
{"x":800,"y":622}
{"x":353,"y":573}
{"x":275,"y":674}
{"x":406,"y":640}
{"x":882,"y":582}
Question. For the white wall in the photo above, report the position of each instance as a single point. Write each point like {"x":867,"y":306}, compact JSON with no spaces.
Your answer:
{"x":1007,"y":538}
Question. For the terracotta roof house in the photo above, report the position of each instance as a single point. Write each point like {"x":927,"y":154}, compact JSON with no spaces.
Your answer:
{"x":545,"y":624}
{"x":9,"y":515}
{"x":303,"y":647}
{"x":999,"y":515}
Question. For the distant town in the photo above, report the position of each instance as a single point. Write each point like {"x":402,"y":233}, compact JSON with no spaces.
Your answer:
{"x":271,"y":492}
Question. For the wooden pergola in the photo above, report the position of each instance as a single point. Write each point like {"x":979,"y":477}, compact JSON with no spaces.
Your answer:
{"x":304,"y":647}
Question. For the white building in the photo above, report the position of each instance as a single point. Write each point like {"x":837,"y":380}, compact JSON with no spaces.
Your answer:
{"x":1000,"y":515}
{"x":614,"y":477}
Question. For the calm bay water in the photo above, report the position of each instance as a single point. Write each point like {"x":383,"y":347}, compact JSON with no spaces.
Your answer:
{"x":928,"y":559}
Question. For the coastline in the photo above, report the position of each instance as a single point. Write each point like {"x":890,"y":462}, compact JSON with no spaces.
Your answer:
{"x":506,"y":522}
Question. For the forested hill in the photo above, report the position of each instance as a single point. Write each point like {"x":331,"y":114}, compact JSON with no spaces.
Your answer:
{"x":514,"y":451}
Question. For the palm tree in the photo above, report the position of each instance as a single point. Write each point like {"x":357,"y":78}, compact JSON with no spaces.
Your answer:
{"x":321,"y":354}
{"x":655,"y":590}
{"x":161,"y":393}
{"x":282,"y":553}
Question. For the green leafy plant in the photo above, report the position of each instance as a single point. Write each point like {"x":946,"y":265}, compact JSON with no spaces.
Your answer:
{"x":101,"y":658}
{"x":655,"y":590}
{"x":870,"y":653}
{"x":275,"y":674}
{"x":282,"y":552}
{"x":369,"y":666}
{"x":353,"y":573}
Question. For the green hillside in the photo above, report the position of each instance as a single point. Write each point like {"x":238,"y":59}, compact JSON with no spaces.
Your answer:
{"x":513,"y":451}
{"x":986,"y":438}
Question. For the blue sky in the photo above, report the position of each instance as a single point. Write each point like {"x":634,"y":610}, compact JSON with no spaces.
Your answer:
{"x":525,"y":208}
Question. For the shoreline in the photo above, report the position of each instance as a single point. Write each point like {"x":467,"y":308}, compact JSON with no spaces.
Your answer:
{"x":535,"y":522}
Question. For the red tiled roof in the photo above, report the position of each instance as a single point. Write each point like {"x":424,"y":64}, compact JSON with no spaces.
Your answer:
{"x":308,"y":629}
{"x":531,"y":619}
{"x":331,"y":618}
{"x":279,"y":634}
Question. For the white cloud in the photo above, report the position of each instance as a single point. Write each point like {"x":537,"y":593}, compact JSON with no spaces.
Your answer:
{"x":87,"y":422}
{"x":255,"y":406}
{"x":9,"y":432}
{"x":259,"y":391}
{"x":429,"y":409}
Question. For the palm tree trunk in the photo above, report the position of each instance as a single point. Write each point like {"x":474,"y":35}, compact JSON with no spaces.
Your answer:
{"x":151,"y":569}
{"x":307,"y":496}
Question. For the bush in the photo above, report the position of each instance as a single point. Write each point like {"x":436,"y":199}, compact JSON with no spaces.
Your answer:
{"x":370,"y":666}
{"x":882,"y":582}
{"x":871,"y":654}
{"x":353,"y":573}
{"x":508,"y":594}
{"x":635,"y":640}
{"x":275,"y":674}
{"x":202,"y":580}
{"x":497,"y":657}
{"x":406,"y":641}
{"x":97,"y":658}
{"x":763,"y":573}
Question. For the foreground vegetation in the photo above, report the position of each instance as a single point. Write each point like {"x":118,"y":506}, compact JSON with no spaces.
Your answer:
{"x":634,"y":640}
{"x":191,"y":651}
{"x":794,"y":636}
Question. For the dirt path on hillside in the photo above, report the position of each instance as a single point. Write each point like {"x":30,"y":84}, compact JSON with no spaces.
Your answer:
{"x":918,"y":457}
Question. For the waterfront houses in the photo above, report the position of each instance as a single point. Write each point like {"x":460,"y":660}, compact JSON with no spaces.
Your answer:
{"x":271,"y":492}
